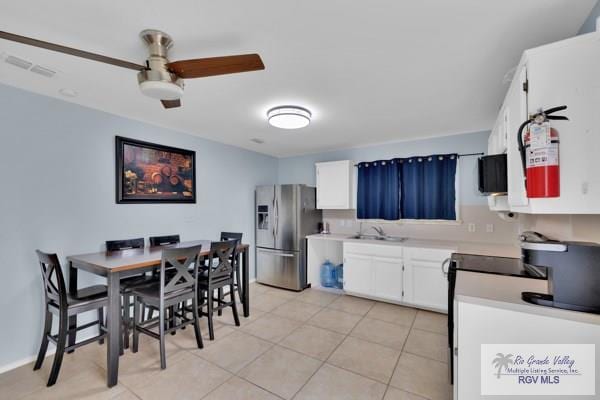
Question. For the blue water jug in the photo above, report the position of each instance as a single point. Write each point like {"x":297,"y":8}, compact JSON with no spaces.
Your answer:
{"x":339,"y":276}
{"x":328,"y":274}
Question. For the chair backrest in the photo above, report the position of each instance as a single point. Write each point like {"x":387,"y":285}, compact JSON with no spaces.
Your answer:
{"x":231,"y":236}
{"x":53,"y":280}
{"x":225,"y":254}
{"x":117,"y":245}
{"x":164,"y":240}
{"x":179,"y":260}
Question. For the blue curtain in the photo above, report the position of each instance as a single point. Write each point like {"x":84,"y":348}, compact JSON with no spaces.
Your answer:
{"x":378,"y":190}
{"x":428,"y":187}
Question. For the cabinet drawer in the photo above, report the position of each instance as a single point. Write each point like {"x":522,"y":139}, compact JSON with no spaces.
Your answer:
{"x":428,"y":254}
{"x":373,"y":249}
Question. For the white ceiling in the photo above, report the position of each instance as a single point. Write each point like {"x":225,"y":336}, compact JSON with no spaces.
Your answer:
{"x":371,"y":71}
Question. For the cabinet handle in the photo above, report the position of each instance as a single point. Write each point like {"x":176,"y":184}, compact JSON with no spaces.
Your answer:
{"x":445,"y":271}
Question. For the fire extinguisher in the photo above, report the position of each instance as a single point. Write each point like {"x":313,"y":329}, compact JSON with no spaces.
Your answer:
{"x":539,"y":154}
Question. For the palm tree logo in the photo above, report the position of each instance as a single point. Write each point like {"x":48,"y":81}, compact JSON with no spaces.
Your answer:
{"x":502,"y":361}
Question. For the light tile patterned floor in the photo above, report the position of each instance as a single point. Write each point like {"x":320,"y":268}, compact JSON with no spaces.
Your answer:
{"x":309,"y":345}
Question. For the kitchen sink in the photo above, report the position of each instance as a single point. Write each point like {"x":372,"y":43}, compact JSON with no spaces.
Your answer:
{"x":376,"y":237}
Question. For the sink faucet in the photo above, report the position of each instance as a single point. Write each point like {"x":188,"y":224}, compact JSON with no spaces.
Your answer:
{"x":379,"y":230}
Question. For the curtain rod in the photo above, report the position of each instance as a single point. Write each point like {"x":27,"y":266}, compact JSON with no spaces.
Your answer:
{"x":459,"y":155}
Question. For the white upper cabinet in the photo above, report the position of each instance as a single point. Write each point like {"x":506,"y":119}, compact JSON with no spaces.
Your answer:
{"x":561,"y":73}
{"x":335,"y":185}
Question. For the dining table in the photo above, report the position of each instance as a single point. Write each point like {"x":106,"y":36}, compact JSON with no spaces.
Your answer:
{"x":117,"y":265}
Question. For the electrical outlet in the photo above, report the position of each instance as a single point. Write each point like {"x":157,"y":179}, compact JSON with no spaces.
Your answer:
{"x":471,"y":227}
{"x":489,"y":228}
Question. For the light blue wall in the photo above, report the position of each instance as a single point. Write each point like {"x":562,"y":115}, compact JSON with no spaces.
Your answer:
{"x":58,"y":195}
{"x":302,"y":169}
{"x":590,"y":23}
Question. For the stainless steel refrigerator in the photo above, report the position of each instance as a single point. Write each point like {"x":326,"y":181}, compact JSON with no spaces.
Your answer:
{"x":285,"y":214}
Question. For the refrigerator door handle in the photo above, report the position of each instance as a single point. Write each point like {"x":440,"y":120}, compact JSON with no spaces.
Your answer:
{"x":273,"y":208}
{"x":276,"y":217}
{"x":277,"y":253}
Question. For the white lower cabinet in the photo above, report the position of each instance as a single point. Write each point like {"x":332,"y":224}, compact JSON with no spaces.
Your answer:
{"x":415,"y":276}
{"x":425,"y":277}
{"x":388,"y":277}
{"x":358,"y":274}
{"x":373,"y":270}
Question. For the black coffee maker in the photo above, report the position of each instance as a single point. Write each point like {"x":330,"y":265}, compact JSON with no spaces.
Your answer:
{"x":573,"y":272}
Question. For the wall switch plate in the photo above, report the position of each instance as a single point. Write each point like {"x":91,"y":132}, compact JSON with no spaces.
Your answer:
{"x":489,"y":228}
{"x":471,"y":227}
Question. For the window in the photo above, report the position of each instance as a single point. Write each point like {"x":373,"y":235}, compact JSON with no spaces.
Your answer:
{"x":408,"y":188}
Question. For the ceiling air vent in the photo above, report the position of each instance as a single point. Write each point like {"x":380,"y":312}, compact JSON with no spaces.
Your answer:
{"x":18,"y":62}
{"x":48,"y":73}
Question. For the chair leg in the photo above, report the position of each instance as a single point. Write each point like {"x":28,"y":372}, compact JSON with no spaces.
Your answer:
{"x":101,"y":323}
{"x":209,"y":312}
{"x":236,"y":317}
{"x":172,"y":321}
{"x":44,"y":345}
{"x":161,"y":331}
{"x":182,"y":312}
{"x":136,"y":321}
{"x":60,"y":348}
{"x":220,"y":293}
{"x":126,"y":319}
{"x":197,"y":323}
{"x":238,"y":284}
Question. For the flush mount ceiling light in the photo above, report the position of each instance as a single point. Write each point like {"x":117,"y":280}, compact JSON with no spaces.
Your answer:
{"x":289,"y":117}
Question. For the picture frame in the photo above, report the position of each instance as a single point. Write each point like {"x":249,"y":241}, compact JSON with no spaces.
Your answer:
{"x":154,"y":173}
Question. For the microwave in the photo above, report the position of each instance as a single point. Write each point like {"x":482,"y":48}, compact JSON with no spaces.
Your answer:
{"x":493,"y":177}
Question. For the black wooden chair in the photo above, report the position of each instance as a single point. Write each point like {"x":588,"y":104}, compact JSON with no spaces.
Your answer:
{"x":235,"y":236}
{"x":171,"y":290}
{"x":216,"y":278}
{"x":61,"y":302}
{"x":236,"y":264}
{"x":128,"y":284}
{"x":164,"y":240}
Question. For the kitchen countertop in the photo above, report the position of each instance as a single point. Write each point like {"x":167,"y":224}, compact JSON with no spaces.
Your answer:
{"x":504,"y":292}
{"x":484,"y":249}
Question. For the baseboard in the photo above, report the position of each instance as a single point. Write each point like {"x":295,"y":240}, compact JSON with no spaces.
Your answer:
{"x":30,"y":359}
{"x":50,"y":352}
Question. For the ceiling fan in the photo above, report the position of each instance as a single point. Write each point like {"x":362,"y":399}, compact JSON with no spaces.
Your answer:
{"x":159,"y":78}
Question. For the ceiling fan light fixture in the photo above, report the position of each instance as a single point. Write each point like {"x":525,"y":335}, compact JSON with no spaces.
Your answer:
{"x":161,"y":90}
{"x":160,"y":84}
{"x":289,"y":117}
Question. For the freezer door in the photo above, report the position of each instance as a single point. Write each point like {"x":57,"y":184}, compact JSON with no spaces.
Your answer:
{"x":279,"y":268}
{"x":286,"y":225}
{"x":264,"y":216}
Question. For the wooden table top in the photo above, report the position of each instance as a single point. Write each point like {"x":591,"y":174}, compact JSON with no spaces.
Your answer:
{"x":114,"y":261}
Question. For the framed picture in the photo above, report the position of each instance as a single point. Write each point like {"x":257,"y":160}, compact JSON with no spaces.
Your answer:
{"x":153,"y":173}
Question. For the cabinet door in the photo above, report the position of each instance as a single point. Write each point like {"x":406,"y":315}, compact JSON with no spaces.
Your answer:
{"x":388,"y":278}
{"x":334,"y":185}
{"x":426,"y":284}
{"x":358,"y":274}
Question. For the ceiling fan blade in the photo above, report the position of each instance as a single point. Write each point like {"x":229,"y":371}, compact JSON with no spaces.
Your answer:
{"x":171,"y":103}
{"x":70,"y":51}
{"x":201,"y":67}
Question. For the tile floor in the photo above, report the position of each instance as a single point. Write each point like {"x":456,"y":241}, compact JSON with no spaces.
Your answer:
{"x":308,"y":345}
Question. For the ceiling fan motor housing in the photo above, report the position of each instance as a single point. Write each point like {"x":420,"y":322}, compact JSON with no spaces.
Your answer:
{"x":157,"y":81}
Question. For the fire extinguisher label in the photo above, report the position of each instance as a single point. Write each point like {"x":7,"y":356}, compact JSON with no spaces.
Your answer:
{"x":539,"y":136}
{"x":542,"y":157}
